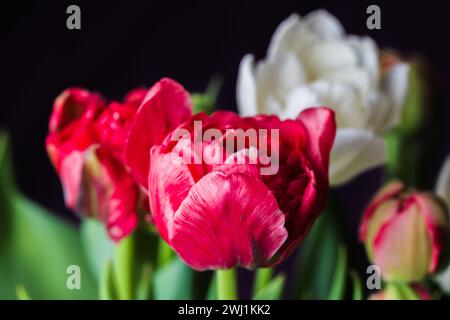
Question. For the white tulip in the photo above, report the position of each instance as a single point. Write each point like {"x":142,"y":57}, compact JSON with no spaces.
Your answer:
{"x":443,"y":190}
{"x":312,"y":62}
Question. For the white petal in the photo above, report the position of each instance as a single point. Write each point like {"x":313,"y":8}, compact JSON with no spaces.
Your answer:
{"x":395,"y":84}
{"x":443,"y":190}
{"x":354,"y":152}
{"x":246,"y":94}
{"x":354,"y":76}
{"x":326,"y":57}
{"x":380,"y":116}
{"x":368,"y":56}
{"x":275,"y":78}
{"x":324,"y":25}
{"x":342,"y":98}
{"x":284,"y":35}
{"x":443,"y":183}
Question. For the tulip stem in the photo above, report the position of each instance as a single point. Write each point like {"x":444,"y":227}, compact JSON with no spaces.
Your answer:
{"x":262,"y":277}
{"x":123,"y":267}
{"x":227,"y":284}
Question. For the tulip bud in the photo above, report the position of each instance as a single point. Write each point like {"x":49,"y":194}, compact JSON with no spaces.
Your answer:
{"x":405,"y":232}
{"x":401,"y":291}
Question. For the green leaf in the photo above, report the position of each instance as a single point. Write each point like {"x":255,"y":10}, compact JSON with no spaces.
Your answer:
{"x":174,"y":281}
{"x":357,"y":285}
{"x":205,"y":102}
{"x":107,"y":290}
{"x":212,"y":290}
{"x":273,"y":290}
{"x":36,"y":247}
{"x":97,"y":246}
{"x":320,"y":261}
{"x":337,"y":289}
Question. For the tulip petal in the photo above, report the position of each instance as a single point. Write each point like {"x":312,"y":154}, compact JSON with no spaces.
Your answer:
{"x":395,"y":83}
{"x":73,"y":104}
{"x":391,"y":190}
{"x":403,"y":241}
{"x":169,"y":184}
{"x":436,"y":221}
{"x":166,"y":106}
{"x":320,"y":127}
{"x":443,"y":190}
{"x":355,"y":151}
{"x":246,"y":88}
{"x":443,"y":183}
{"x":228,"y":219}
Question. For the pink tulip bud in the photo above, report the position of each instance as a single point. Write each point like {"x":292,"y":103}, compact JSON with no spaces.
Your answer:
{"x":405,"y":232}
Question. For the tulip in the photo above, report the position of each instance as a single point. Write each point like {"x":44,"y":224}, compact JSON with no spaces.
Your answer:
{"x":85,"y":144}
{"x":405,"y":233}
{"x":401,"y":291}
{"x":215,"y":206}
{"x":312,"y":62}
{"x":443,"y":190}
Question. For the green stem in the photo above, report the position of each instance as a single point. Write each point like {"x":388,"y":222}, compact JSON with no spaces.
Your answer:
{"x":227,"y":284}
{"x":262,"y":277}
{"x":123,"y":268}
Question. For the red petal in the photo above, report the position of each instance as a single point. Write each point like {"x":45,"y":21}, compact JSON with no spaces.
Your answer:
{"x":169,"y":184}
{"x":73,"y":104}
{"x":227,"y":220}
{"x":166,"y":106}
{"x":320,"y":126}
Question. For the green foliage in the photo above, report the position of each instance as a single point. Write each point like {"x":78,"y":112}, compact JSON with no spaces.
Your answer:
{"x":36,"y":247}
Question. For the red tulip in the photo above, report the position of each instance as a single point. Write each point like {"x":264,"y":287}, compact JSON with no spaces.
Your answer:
{"x":405,"y":232}
{"x":85,"y":144}
{"x":214,"y":205}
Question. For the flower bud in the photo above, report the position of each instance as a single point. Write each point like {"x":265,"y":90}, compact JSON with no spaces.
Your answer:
{"x":405,"y":232}
{"x":401,"y":291}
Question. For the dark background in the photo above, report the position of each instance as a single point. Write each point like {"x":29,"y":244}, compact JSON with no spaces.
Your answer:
{"x":125,"y":44}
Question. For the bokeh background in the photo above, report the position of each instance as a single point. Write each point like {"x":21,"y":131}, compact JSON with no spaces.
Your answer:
{"x":134,"y":43}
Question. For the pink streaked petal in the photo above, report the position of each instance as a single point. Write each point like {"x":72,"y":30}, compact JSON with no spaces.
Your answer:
{"x":169,"y":183}
{"x":166,"y":105}
{"x":390,"y":190}
{"x":320,"y":126}
{"x":402,"y":247}
{"x":228,"y":220}
{"x":71,"y":173}
{"x":436,"y":222}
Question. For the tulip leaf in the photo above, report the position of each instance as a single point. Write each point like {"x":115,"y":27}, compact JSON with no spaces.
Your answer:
{"x":106,"y":283}
{"x":212,"y":290}
{"x":97,"y":246}
{"x":205,"y":102}
{"x":322,"y":261}
{"x":37,"y":247}
{"x":174,"y":281}
{"x":272,"y":290}
{"x":337,"y":289}
{"x":357,"y":285}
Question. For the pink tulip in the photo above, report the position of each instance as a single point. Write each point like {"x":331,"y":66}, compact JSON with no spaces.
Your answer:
{"x":405,"y":232}
{"x":212,"y":204}
{"x":85,"y":144}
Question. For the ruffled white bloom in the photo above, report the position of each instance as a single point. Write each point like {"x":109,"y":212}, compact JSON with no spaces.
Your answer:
{"x":312,"y":62}
{"x":443,"y":190}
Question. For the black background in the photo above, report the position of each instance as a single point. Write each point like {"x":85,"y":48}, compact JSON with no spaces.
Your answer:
{"x":130,"y":43}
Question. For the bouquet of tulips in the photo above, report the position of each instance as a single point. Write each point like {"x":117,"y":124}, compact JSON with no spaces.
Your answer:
{"x":176,"y":199}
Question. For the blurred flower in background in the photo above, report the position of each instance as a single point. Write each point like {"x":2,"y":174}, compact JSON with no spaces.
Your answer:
{"x":405,"y":233}
{"x":443,"y":190}
{"x":85,"y":145}
{"x":312,"y":62}
{"x":401,"y":291}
